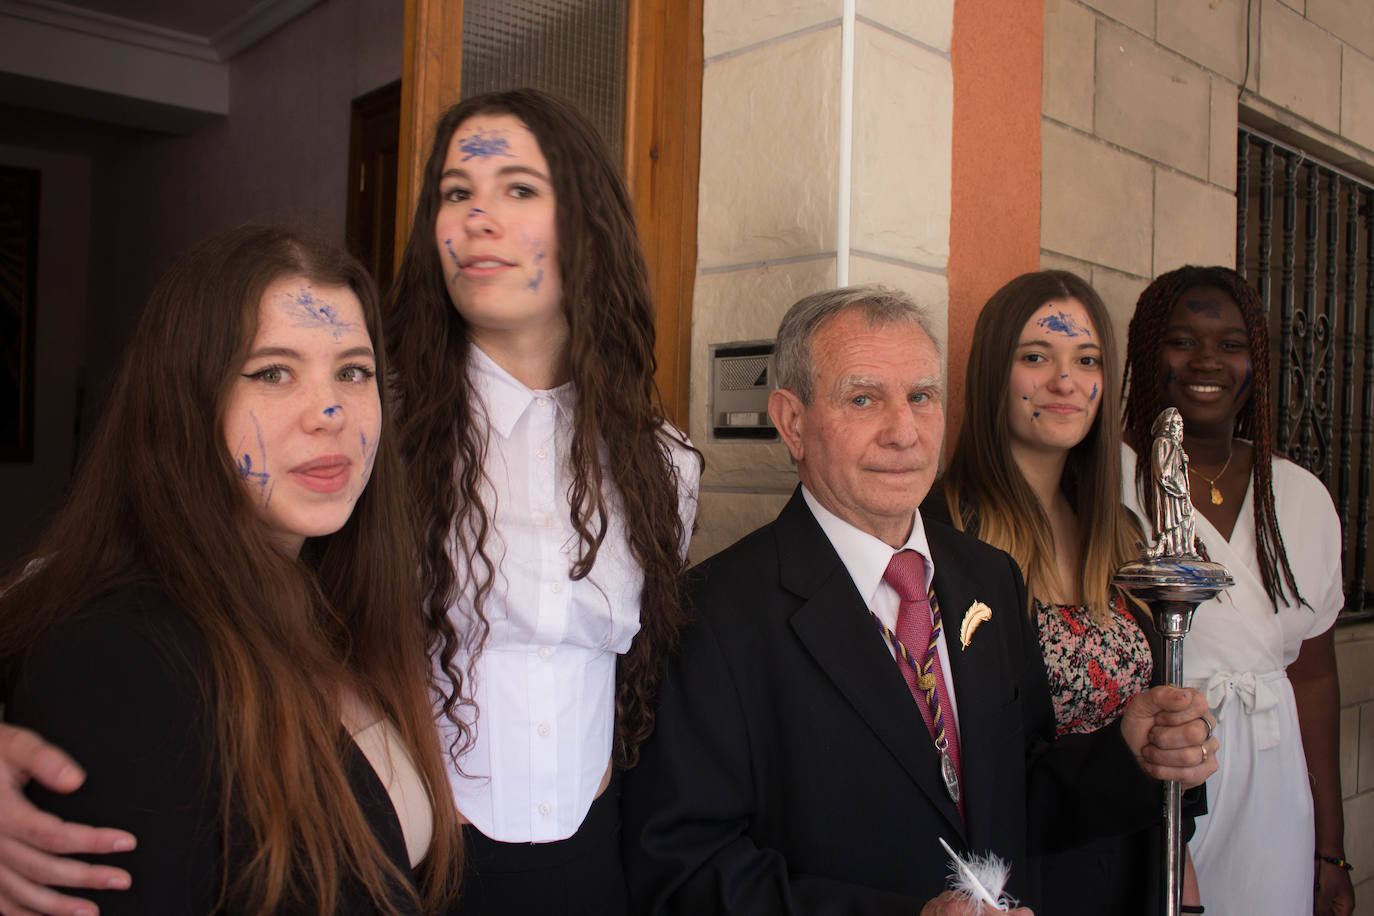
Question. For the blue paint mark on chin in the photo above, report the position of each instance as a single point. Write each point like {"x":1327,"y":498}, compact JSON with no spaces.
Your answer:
{"x":1063,"y":323}
{"x":1035,"y":414}
{"x":482,"y":145}
{"x":330,"y":411}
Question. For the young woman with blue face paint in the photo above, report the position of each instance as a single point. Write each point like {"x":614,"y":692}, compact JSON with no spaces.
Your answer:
{"x":215,"y":625}
{"x":1036,"y":472}
{"x":1262,"y":652}
{"x":556,"y":502}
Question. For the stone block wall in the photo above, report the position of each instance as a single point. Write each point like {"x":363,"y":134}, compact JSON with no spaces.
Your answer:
{"x":769,"y":206}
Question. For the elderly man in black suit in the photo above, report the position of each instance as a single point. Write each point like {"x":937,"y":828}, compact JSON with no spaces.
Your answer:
{"x":822,"y":727}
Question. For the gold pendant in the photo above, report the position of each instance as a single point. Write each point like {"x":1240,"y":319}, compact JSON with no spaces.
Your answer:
{"x":926,"y":681}
{"x":1216,"y":496}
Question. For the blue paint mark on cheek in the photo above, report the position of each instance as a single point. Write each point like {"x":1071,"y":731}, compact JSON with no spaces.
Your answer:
{"x":331,"y":411}
{"x":260,"y":479}
{"x":1035,"y":414}
{"x":457,"y":264}
{"x":1245,"y":385}
{"x":538,"y":279}
{"x":1168,"y":378}
{"x":1093,"y":396}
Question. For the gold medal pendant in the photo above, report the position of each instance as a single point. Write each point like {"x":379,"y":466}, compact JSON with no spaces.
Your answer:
{"x":1216,"y":496}
{"x":926,"y":680}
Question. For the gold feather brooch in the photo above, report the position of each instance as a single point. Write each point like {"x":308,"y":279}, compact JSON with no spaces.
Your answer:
{"x":977,"y":612}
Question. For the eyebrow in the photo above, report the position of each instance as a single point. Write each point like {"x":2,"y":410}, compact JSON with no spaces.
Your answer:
{"x":288,"y":353}
{"x":934,"y":383}
{"x":504,"y":170}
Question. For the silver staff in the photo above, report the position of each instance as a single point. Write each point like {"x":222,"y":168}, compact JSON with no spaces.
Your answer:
{"x":1172,"y":578}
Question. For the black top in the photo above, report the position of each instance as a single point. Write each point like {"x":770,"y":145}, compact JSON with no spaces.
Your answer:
{"x":125,"y":689}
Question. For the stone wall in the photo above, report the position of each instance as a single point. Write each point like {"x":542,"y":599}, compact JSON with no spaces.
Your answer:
{"x":769,"y":216}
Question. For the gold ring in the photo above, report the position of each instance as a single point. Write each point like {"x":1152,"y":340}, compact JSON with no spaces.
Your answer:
{"x":1204,"y":753}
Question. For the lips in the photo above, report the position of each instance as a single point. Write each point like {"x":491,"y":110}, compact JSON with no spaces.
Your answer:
{"x":484,"y":265}
{"x":327,"y":474}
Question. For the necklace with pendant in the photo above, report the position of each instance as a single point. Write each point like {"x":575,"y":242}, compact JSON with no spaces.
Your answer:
{"x":1212,"y":481}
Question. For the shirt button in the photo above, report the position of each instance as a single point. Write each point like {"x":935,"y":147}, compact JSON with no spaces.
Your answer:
{"x":544,"y":809}
{"x":545,"y":651}
{"x":543,"y":728}
{"x":541,"y":453}
{"x":556,"y":587}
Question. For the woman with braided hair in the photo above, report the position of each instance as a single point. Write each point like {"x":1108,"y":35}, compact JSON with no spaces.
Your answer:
{"x":1263,"y":651}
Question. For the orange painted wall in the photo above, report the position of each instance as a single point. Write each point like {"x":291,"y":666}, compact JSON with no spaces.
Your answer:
{"x":994,"y":231}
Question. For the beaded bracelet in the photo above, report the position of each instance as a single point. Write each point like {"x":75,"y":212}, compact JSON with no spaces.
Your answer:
{"x":1336,"y":861}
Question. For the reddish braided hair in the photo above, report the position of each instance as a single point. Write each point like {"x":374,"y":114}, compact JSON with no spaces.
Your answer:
{"x":1142,"y":395}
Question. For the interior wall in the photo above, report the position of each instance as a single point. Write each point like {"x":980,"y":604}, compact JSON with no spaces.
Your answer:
{"x":280,"y":155}
{"x":32,"y":490}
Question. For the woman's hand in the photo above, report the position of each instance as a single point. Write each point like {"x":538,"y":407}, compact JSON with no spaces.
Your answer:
{"x":33,"y":842}
{"x":1334,"y":894}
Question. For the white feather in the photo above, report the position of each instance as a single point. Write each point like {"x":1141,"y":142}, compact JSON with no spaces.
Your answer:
{"x":980,"y":878}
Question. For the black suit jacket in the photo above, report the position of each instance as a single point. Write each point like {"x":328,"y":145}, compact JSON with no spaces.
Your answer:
{"x":790,"y":770}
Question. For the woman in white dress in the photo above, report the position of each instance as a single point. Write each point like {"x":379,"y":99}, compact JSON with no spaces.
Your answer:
{"x":1262,"y":652}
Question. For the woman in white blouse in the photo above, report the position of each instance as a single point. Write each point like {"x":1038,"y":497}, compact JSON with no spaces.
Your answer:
{"x":553,"y":500}
{"x":556,"y":501}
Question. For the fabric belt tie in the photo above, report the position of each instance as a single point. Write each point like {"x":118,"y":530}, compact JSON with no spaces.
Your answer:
{"x":1256,"y":696}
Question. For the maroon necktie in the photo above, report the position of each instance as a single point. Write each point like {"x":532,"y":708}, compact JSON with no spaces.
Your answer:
{"x":916,"y":643}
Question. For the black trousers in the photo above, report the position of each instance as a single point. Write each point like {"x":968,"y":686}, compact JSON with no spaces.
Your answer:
{"x":579,"y":876}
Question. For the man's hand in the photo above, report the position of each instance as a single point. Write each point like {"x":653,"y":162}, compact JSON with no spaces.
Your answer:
{"x":952,"y":904}
{"x":32,"y":842}
{"x":1168,"y":730}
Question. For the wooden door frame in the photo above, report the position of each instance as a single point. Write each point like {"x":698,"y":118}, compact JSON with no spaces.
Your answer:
{"x":662,"y":150}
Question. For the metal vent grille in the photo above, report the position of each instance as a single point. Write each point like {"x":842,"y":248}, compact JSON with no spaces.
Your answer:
{"x":743,"y":372}
{"x":572,"y":48}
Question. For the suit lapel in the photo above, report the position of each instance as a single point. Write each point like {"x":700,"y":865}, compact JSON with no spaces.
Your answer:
{"x":834,"y":625}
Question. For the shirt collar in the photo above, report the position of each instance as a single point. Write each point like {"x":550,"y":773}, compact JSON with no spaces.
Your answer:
{"x":865,"y":556}
{"x":505,"y":397}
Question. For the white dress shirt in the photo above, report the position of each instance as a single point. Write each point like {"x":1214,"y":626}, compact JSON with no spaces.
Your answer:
{"x":544,"y":683}
{"x":866,"y":557}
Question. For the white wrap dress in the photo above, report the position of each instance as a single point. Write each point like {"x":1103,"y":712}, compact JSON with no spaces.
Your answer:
{"x":1253,"y":850}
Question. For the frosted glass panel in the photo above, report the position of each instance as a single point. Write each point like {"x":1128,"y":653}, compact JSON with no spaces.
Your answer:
{"x":572,"y":48}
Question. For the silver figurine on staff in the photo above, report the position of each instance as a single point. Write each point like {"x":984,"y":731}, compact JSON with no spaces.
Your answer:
{"x":1173,"y":579}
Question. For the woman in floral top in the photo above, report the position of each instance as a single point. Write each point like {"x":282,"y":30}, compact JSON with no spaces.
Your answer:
{"x":1036,"y":471}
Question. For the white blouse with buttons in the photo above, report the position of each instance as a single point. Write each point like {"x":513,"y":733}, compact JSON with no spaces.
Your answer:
{"x":545,"y":680}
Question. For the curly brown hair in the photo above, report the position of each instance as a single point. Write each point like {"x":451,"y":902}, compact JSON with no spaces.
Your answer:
{"x":1143,"y":398}
{"x":610,"y":361}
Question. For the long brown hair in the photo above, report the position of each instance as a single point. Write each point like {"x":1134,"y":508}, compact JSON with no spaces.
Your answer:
{"x":983,"y":481}
{"x":610,"y":360}
{"x":1143,"y":390}
{"x":158,"y":501}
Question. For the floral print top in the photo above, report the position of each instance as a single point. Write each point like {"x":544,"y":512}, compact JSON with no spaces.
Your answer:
{"x":1094,"y":667}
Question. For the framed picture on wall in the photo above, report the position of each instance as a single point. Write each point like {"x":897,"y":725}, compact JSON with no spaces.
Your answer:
{"x":18,"y":286}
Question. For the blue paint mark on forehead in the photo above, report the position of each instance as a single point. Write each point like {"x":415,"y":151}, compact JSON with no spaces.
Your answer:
{"x":1063,"y":323}
{"x":481,"y":145}
{"x":307,"y":311}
